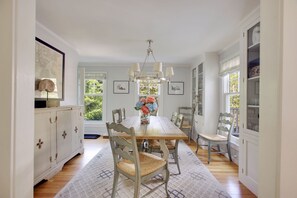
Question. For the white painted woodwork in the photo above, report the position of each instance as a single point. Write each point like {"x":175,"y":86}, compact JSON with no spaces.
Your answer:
{"x":249,"y":139}
{"x":60,"y":132}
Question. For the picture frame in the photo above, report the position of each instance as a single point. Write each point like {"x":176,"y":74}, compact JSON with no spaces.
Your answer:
{"x":121,"y":87}
{"x":176,"y":88}
{"x":49,"y":65}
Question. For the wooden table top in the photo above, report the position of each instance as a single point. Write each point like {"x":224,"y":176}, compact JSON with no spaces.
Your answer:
{"x":159,"y":128}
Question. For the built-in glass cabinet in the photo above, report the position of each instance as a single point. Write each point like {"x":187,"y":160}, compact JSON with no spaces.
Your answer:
{"x":194,"y":77}
{"x":253,"y":77}
{"x":200,"y":90}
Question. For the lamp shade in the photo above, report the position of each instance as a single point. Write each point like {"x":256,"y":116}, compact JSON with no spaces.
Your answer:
{"x":169,"y":71}
{"x":136,"y":67}
{"x":157,"y":67}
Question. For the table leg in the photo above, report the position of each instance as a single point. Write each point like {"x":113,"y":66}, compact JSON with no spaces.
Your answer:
{"x":164,"y":149}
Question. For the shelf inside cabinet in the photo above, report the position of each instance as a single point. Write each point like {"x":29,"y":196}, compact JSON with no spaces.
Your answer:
{"x":254,"y":78}
{"x":256,"y":45}
{"x":253,"y":106}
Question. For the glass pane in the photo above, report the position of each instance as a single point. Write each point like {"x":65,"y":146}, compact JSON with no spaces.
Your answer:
{"x":148,"y":88}
{"x":93,"y":86}
{"x":143,"y":88}
{"x":93,"y":107}
{"x":234,"y":102}
{"x":234,"y":82}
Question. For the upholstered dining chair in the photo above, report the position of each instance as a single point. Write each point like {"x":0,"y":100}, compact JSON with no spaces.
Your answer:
{"x":221,"y":136}
{"x":137,"y":166}
{"x":172,"y":145}
{"x":117,"y":113}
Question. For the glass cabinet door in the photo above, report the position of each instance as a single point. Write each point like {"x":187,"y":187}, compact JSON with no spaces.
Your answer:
{"x":200,"y":89}
{"x":253,"y":77}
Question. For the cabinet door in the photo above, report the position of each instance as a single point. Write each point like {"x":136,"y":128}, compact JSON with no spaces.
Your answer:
{"x":248,"y":172}
{"x":64,"y":134}
{"x":42,"y":143}
{"x":77,"y":129}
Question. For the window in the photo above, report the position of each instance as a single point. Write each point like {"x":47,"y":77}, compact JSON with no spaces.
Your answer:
{"x":94,"y":96}
{"x":148,"y":88}
{"x":231,"y":92}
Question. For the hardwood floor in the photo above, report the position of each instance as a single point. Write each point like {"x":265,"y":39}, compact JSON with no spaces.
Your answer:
{"x":225,"y":171}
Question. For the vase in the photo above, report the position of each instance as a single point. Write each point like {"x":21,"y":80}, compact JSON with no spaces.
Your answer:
{"x":144,"y":118}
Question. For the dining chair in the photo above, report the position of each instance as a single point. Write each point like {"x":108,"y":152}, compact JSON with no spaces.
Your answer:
{"x":172,"y":145}
{"x":174,"y":117}
{"x":123,"y":113}
{"x":187,"y":126}
{"x":221,"y":136}
{"x":140,"y":167}
{"x":117,"y":113}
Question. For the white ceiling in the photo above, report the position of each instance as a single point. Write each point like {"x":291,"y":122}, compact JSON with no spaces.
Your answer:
{"x":115,"y":31}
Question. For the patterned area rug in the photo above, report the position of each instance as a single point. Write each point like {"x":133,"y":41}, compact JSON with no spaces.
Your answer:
{"x":96,"y":179}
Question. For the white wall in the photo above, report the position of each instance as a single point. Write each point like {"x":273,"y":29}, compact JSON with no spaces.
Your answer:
{"x":270,"y":99}
{"x":288,"y":161}
{"x":17,"y":49}
{"x":71,"y":62}
{"x":168,"y":104}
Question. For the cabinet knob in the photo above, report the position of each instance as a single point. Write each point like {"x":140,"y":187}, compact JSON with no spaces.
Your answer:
{"x":75,"y":129}
{"x":39,"y":144}
{"x":64,"y":134}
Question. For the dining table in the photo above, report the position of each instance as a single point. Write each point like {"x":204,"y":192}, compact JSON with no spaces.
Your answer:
{"x":159,"y":128}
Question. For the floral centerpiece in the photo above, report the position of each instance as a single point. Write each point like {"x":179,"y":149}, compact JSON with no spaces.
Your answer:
{"x":147,"y":106}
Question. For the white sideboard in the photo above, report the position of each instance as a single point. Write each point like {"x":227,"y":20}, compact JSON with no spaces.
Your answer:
{"x":58,"y":138}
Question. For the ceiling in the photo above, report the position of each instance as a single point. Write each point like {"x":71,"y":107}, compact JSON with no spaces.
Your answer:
{"x":115,"y":31}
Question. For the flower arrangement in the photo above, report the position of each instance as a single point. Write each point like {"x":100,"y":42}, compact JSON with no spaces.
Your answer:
{"x":147,"y":105}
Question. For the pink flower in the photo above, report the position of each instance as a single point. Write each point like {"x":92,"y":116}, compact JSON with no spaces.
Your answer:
{"x":150,"y":99}
{"x":145,"y":110}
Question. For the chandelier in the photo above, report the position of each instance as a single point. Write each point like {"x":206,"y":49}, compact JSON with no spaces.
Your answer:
{"x":140,"y":74}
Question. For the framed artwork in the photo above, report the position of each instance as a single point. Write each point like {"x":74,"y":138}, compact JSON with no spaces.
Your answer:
{"x":175,"y":88}
{"x":49,"y":71}
{"x":121,"y":87}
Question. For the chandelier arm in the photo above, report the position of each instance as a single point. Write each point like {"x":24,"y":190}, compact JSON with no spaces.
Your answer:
{"x":142,"y":67}
{"x":154,"y":57}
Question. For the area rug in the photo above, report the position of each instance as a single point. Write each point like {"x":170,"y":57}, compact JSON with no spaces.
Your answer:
{"x":96,"y":179}
{"x":91,"y":136}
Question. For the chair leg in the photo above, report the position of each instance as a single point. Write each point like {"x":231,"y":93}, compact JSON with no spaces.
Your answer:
{"x":229,"y":152}
{"x":137,"y":184}
{"x":209,"y":149}
{"x":197,"y":144}
{"x":166,"y":181}
{"x":175,"y":155}
{"x":219,"y":148}
{"x":115,"y":183}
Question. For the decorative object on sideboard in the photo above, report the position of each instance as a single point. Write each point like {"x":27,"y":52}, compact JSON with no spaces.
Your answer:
{"x":48,"y":86}
{"x":136,"y":73}
{"x":49,"y":64}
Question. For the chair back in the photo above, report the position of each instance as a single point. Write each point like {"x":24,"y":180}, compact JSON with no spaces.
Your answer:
{"x":174,"y":117}
{"x":117,"y":113}
{"x":121,"y":147}
{"x":179,"y":120}
{"x":225,"y":125}
{"x":123,"y":113}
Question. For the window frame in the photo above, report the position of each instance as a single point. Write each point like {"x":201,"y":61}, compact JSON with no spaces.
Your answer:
{"x":98,"y":94}
{"x":226,"y":93}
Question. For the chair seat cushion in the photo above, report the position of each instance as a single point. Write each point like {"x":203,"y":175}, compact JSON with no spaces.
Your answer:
{"x":148,"y":164}
{"x":213,"y":137}
{"x":155,"y":144}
